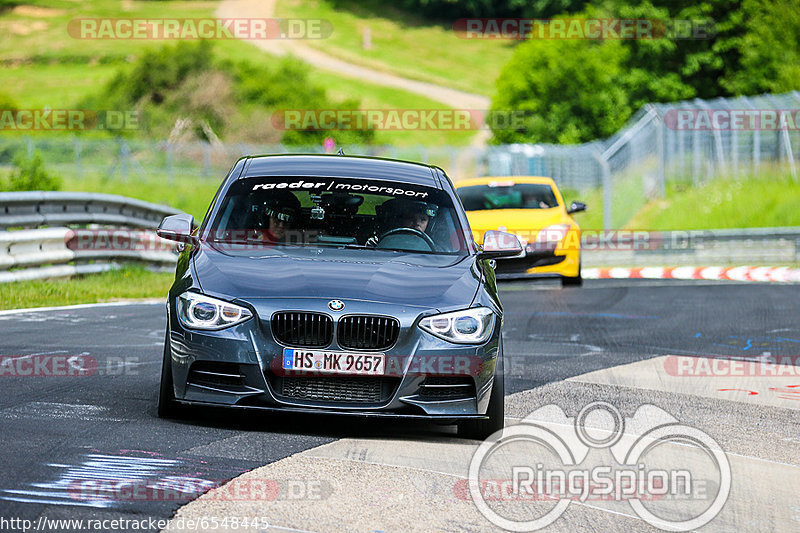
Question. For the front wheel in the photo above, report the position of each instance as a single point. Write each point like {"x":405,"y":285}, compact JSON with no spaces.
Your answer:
{"x":167,"y":406}
{"x":577,"y":281}
{"x":482,"y":429}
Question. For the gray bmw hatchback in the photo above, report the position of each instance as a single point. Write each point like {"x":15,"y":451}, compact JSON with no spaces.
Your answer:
{"x":336,"y":284}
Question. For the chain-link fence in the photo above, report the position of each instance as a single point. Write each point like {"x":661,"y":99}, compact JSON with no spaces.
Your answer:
{"x":124,"y":159}
{"x":689,"y":141}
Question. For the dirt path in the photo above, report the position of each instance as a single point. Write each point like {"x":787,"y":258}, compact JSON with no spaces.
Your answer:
{"x":266,"y":9}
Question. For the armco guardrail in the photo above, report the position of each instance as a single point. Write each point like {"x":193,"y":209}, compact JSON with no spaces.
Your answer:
{"x":49,"y":208}
{"x":751,"y":246}
{"x":44,"y":252}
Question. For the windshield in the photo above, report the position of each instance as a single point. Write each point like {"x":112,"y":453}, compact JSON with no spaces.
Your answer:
{"x":339,"y":212}
{"x":508,"y":196}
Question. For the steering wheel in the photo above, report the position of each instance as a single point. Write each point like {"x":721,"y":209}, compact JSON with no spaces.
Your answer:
{"x":411,"y":231}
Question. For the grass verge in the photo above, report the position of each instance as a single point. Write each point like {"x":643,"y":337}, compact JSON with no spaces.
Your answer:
{"x":129,"y":282}
{"x":769,"y":200}
{"x":191,"y":196}
{"x":404,"y":43}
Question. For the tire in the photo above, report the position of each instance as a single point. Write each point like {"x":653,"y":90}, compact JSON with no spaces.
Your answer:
{"x":167,"y":406}
{"x":573,"y":282}
{"x":482,"y":429}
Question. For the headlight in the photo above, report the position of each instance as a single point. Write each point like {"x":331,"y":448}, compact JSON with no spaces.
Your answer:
{"x":198,"y":311}
{"x":552,"y":234}
{"x":470,"y":326}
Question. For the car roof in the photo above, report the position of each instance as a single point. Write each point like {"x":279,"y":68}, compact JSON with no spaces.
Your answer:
{"x":499,"y":179}
{"x":339,"y":166}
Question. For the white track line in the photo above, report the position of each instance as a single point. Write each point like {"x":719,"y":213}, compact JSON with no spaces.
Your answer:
{"x":149,"y":301}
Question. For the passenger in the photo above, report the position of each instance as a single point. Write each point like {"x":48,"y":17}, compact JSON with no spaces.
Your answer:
{"x":281,"y":212}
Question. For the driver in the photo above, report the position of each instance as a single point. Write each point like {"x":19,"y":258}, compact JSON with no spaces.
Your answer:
{"x":416,"y":219}
{"x":280,"y":213}
{"x":410,"y":214}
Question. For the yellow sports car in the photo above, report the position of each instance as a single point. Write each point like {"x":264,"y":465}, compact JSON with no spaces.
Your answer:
{"x":531,"y":208}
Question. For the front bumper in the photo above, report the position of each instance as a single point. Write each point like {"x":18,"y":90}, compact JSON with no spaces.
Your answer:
{"x":540,"y":263}
{"x":240,"y":367}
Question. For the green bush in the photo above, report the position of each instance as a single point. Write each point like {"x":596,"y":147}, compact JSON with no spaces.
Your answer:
{"x":234,"y":99}
{"x":29,"y":174}
{"x":160,"y":70}
{"x":287,"y":86}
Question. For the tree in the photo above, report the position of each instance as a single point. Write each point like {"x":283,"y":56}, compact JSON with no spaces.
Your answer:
{"x":568,"y":90}
{"x":770,"y":49}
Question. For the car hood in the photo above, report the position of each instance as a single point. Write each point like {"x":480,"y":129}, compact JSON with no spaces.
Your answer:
{"x":423,"y":280}
{"x":525,"y":223}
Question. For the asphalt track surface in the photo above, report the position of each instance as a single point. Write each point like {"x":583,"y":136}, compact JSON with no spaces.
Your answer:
{"x":58,"y":432}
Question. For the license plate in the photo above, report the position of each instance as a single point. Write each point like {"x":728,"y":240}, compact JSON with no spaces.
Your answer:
{"x":367,"y":364}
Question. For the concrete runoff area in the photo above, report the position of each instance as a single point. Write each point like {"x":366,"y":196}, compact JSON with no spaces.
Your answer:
{"x":421,"y":485}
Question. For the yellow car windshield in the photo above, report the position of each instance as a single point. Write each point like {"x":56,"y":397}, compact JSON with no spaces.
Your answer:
{"x":513,"y":196}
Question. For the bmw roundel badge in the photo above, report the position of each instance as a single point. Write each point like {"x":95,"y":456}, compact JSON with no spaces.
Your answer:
{"x":336,"y":305}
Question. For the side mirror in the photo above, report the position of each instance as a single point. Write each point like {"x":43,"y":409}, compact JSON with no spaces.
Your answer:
{"x":498,"y":244}
{"x":177,"y":228}
{"x":576,"y":207}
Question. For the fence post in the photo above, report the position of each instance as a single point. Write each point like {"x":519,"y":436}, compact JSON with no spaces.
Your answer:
{"x":695,"y":155}
{"x":605,"y":180}
{"x":170,"y":167}
{"x":756,"y":142}
{"x":662,"y":155}
{"x":783,"y":139}
{"x":206,"y":159}
{"x":76,"y":146}
{"x":124,"y":153}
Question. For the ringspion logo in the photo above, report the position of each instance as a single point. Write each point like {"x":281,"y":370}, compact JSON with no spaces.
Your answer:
{"x":524,"y":477}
